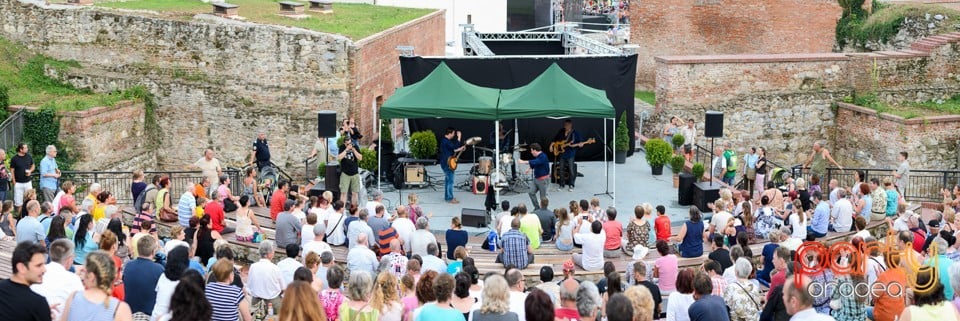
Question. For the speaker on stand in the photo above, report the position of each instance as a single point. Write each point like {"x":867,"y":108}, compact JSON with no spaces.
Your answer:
{"x":712,"y":128}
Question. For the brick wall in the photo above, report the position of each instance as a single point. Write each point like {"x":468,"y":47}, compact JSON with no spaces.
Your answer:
{"x":375,"y":65}
{"x":870,"y":139}
{"x":708,"y":27}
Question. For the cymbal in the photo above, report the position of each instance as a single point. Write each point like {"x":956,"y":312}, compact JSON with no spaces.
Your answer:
{"x":484,"y":148}
{"x":522,"y":146}
{"x":473,"y":140}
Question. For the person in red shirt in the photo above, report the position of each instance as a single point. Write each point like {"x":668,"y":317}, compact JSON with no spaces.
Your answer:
{"x":614,"y":232}
{"x":889,"y":303}
{"x":568,"y":301}
{"x":662,"y":224}
{"x":279,"y":197}
{"x":214,"y":209}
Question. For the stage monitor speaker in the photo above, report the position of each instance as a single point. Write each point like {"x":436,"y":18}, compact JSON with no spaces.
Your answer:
{"x":473,"y":217}
{"x":685,"y":192}
{"x":705,"y":193}
{"x":480,"y":184}
{"x":713,"y":124}
{"x":414,"y":174}
{"x":332,"y":177}
{"x":327,"y":123}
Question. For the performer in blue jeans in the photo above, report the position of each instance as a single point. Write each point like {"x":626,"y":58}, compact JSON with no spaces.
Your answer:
{"x":540,"y":166}
{"x":448,"y":146}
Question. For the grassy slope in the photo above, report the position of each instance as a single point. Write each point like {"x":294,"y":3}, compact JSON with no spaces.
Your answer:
{"x":884,"y":23}
{"x":355,"y":21}
{"x":910,"y":110}
{"x":22,"y":71}
{"x":646,"y":96}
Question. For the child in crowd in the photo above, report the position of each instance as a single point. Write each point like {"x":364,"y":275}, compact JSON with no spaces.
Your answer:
{"x":662,"y":224}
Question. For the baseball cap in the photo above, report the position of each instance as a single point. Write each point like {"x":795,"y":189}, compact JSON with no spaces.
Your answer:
{"x":568,"y":266}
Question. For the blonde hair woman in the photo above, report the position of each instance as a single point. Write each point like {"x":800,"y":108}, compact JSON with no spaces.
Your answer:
{"x":496,"y":301}
{"x":95,"y":302}
{"x":642,"y":303}
{"x":413,"y":210}
{"x":300,"y":303}
{"x":386,"y":297}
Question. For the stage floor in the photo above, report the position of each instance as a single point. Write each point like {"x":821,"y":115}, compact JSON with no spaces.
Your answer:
{"x":634,"y":185}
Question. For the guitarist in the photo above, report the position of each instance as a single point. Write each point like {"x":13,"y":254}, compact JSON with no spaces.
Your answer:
{"x":449,"y":144}
{"x":572,"y":139}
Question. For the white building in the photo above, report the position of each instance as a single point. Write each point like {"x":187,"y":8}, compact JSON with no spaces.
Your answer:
{"x":485,"y":15}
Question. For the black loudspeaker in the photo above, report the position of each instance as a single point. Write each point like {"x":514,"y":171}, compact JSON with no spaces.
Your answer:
{"x":326,"y":123}
{"x":318,"y":189}
{"x":332,"y":177}
{"x":705,"y":193}
{"x":685,"y":192}
{"x":713,"y":124}
{"x":473,"y":217}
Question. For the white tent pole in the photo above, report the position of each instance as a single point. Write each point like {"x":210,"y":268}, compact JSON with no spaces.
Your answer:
{"x":614,"y":121}
{"x":496,"y":158}
{"x":606,"y":171}
{"x":379,"y":157}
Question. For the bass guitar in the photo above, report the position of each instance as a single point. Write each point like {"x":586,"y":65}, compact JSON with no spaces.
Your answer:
{"x":558,"y":147}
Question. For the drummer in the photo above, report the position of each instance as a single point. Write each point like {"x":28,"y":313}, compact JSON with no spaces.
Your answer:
{"x":506,"y":147}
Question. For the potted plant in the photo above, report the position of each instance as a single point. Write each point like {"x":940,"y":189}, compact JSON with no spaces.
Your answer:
{"x":423,"y":144}
{"x":697,"y":170}
{"x":622,"y":145}
{"x":678,"y":141}
{"x":676,"y":165}
{"x":658,"y":154}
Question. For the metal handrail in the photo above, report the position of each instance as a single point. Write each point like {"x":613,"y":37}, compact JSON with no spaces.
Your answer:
{"x":119,"y":183}
{"x":11,"y":130}
{"x":922,"y":184}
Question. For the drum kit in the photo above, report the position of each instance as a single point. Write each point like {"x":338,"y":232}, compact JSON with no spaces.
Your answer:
{"x":486,"y":174}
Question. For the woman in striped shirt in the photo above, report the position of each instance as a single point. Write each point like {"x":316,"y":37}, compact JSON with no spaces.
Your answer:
{"x":226,"y":299}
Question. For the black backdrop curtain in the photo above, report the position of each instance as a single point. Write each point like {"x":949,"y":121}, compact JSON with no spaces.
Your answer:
{"x":615,"y":75}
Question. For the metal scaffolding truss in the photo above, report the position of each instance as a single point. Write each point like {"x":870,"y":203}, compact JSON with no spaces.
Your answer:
{"x":473,"y":41}
{"x":521,"y":36}
{"x":592,"y":46}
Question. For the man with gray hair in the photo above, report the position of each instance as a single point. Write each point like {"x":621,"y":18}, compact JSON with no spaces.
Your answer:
{"x":317,"y":245}
{"x":360,"y":257}
{"x":421,"y":237}
{"x":140,"y":278}
{"x":91,"y":199}
{"x":210,"y":168}
{"x":588,"y":301}
{"x":265,"y":282}
{"x":943,"y":264}
{"x":568,"y":300}
{"x":432,"y":260}
{"x":376,"y":197}
{"x":29,"y":228}
{"x":58,"y":283}
{"x":842,"y":213}
{"x":404,"y":226}
{"x":516,"y":283}
{"x":49,"y":173}
{"x":358,"y":227}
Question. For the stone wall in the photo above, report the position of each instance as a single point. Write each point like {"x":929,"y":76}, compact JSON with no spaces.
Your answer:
{"x":869,"y":139}
{"x":701,"y":27}
{"x":106,"y":138}
{"x":217,"y":81}
{"x":376,"y":65}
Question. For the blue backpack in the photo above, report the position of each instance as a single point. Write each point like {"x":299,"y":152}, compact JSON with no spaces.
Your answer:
{"x":491,"y":242}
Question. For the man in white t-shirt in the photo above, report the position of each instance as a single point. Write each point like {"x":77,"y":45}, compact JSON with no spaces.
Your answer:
{"x":422,"y":237}
{"x":306,"y":233}
{"x":59,"y":283}
{"x":336,"y":237}
{"x":719,"y":220}
{"x":377,"y":197}
{"x":316,"y":244}
{"x":210,"y":168}
{"x":404,"y":227}
{"x":592,"y":257}
{"x":516,"y":283}
{"x":842,"y":213}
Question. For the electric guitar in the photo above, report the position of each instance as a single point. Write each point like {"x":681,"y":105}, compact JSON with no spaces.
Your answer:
{"x":558,"y":147}
{"x":453,"y":160}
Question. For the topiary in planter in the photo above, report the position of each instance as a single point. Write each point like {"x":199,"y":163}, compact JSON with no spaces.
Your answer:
{"x":423,"y":144}
{"x":697,"y":170}
{"x":658,"y":152}
{"x":676,"y":164}
{"x":678,"y":140}
{"x":623,"y":136}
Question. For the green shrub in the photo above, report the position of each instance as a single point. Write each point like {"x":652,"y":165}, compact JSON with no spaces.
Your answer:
{"x":369,"y":161}
{"x":623,"y":135}
{"x":385,"y":135}
{"x":676,"y":163}
{"x":4,"y":102}
{"x":658,"y":152}
{"x":697,"y":170}
{"x":678,"y":140}
{"x":423,"y":144}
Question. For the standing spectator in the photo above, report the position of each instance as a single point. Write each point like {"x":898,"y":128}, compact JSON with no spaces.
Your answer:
{"x":331,"y":298}
{"x":666,"y":268}
{"x":265,"y":282}
{"x":228,"y":300}
{"x":4,"y":176}
{"x":730,"y":163}
{"x":515,"y":248}
{"x":821,"y":217}
{"x":681,"y":299}
{"x":691,"y":235}
{"x":817,"y":161}
{"x":95,"y":302}
{"x":279,"y":199}
{"x":689,"y":133}
{"x":210,"y":168}
{"x":289,"y":264}
{"x":591,"y":259}
{"x":902,"y":174}
{"x":496,"y":303}
{"x":260,"y":154}
{"x":136,"y":187}
{"x":58,"y":283}
{"x":762,"y":168}
{"x":349,"y":159}
{"x":141,"y":276}
{"x":22,"y":165}
{"x":455,"y":237}
{"x":49,"y":174}
{"x":614,"y":235}
{"x":530,"y":226}
{"x":718,"y":166}
{"x":361,"y":258}
{"x":706,"y":305}
{"x":548,"y":220}
{"x":29,"y":228}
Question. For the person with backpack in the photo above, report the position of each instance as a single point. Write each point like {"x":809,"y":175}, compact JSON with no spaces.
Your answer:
{"x":730,"y":158}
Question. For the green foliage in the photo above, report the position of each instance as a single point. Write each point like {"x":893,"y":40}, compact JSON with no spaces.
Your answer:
{"x":646,"y":96}
{"x":676,"y":163}
{"x":385,"y":132}
{"x":369,"y":161}
{"x":856,"y":26}
{"x":677,"y":140}
{"x":356,"y":21}
{"x":41,"y":128}
{"x":658,"y":152}
{"x":623,"y":134}
{"x":4,"y":102}
{"x":423,"y":144}
{"x":697,"y":170}
{"x":150,"y":126}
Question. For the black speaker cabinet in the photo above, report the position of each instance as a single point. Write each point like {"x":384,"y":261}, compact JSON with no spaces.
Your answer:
{"x":327,"y":123}
{"x":318,"y":189}
{"x":332,"y":177}
{"x":713,"y":124}
{"x":705,"y":193}
{"x":685,"y":192}
{"x":473,"y":217}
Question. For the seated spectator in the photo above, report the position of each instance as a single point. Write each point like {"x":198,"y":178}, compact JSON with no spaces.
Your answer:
{"x":361,"y":258}
{"x":588,"y":301}
{"x":820,"y":222}
{"x":495,"y":303}
{"x":288,"y":226}
{"x":592,"y":257}
{"x":455,"y":237}
{"x":331,"y":298}
{"x":548,"y":286}
{"x":548,"y":220}
{"x":95,"y":300}
{"x":614,"y":234}
{"x":743,"y":297}
{"x":643,"y":303}
{"x":431,"y":261}
{"x":317,"y":245}
{"x":720,"y":253}
{"x":691,"y":235}
{"x":58,"y":282}
{"x":515,"y":247}
{"x":638,"y":230}
{"x":539,"y":307}
{"x":682,"y":298}
{"x":289,"y":264}
{"x":768,"y":252}
{"x":665,"y":268}
{"x":228,"y":300}
{"x":421,"y":237}
{"x":713,"y":270}
{"x":265,"y":282}
{"x":459,"y":254}
{"x":640,"y":277}
{"x":706,"y":305}
{"x":398,"y":261}
{"x":530,"y":226}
